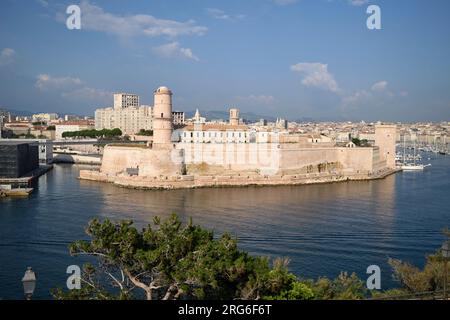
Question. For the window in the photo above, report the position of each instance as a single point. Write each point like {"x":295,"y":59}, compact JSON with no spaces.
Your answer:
{"x":162,"y":115}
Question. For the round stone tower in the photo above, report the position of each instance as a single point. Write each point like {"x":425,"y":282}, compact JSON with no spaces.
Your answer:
{"x":162,"y":117}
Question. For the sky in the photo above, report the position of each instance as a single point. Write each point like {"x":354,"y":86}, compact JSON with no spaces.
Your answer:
{"x":282,"y":58}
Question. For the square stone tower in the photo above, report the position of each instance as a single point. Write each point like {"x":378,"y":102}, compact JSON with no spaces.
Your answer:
{"x":385,"y":139}
{"x":234,"y":116}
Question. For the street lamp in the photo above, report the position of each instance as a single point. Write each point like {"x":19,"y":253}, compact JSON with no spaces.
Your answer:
{"x":29,"y":283}
{"x":445,"y":254}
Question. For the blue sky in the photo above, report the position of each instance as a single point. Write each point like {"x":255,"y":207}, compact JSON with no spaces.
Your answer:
{"x":288,"y":58}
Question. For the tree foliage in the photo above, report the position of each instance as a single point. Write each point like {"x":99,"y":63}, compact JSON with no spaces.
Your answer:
{"x":360,"y":143}
{"x":414,"y":280}
{"x":344,"y":287}
{"x":144,"y":132}
{"x":172,"y":260}
{"x":92,"y":133}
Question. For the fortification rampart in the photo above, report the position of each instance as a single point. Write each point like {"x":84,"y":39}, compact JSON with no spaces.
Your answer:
{"x":191,"y":181}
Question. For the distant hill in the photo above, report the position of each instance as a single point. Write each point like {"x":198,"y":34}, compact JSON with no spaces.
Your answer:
{"x":218,"y":114}
{"x":14,"y":112}
{"x":250,"y":116}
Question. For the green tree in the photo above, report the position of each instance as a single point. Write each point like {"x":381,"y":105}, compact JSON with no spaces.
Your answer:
{"x":414,"y":280}
{"x":172,"y":260}
{"x":344,"y":287}
{"x":356,"y":141}
{"x":365,"y":143}
{"x":144,"y":132}
{"x":92,"y":133}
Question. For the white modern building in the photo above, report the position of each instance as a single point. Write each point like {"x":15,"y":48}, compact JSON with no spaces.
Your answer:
{"x":71,"y":126}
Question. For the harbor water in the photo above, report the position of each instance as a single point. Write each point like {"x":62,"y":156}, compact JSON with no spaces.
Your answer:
{"x":324,"y":229}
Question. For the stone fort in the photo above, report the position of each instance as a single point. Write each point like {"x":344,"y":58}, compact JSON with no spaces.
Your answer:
{"x":280,"y":158}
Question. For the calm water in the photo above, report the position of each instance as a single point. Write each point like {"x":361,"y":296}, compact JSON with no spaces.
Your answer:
{"x":322,"y":228}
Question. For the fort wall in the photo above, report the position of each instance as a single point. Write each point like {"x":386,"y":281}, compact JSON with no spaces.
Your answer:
{"x":192,"y":181}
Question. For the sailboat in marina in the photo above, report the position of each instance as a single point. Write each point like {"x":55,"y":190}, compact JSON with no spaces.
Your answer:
{"x":414,"y":166}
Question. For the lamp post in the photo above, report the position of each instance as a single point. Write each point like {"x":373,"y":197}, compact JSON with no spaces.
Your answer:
{"x":445,"y":254}
{"x":29,"y":283}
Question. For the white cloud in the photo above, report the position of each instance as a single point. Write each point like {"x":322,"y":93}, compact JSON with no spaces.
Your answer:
{"x":222,"y":15}
{"x":356,"y":97}
{"x":43,"y":3}
{"x":173,"y":49}
{"x":380,"y":86}
{"x":358,"y":2}
{"x":87,"y":93}
{"x":284,"y":2}
{"x":259,"y":99}
{"x":316,"y":75}
{"x":96,"y":19}
{"x":46,"y":82}
{"x":7,"y":56}
{"x":70,"y":87}
{"x":379,"y":93}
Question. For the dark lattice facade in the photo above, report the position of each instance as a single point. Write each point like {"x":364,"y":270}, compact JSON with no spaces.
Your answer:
{"x":17,"y":159}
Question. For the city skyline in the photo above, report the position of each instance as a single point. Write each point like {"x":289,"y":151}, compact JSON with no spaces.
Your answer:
{"x":293,"y":59}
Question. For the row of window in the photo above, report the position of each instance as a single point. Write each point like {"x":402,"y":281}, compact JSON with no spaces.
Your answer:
{"x":215,"y":134}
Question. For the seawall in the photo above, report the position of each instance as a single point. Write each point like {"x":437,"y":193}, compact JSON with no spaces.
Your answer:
{"x":192,"y":181}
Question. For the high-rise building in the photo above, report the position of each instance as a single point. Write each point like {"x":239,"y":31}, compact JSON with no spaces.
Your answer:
{"x":130,"y":117}
{"x":127,"y":115}
{"x":125,"y":100}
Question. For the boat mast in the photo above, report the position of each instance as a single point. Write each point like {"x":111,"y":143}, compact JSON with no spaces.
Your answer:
{"x":404,"y":149}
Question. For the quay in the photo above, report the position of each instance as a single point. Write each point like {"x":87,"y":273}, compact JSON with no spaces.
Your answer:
{"x":19,"y":167}
{"x":17,"y":192}
{"x":28,"y":179}
{"x":22,"y":186}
